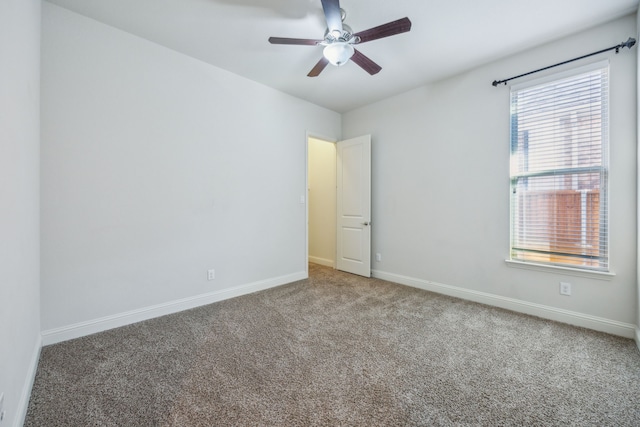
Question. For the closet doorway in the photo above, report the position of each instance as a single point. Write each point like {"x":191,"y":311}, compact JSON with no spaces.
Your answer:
{"x":321,"y":198}
{"x":339,"y":204}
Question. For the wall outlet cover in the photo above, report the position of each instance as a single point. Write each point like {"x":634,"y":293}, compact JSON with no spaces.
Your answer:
{"x":565,"y":288}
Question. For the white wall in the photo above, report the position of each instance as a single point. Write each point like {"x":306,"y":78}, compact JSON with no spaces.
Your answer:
{"x":322,"y":202}
{"x":441,"y":188}
{"x":157,"y":167}
{"x":638,"y":188}
{"x":19,"y":193}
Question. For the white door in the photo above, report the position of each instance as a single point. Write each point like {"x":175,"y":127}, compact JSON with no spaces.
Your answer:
{"x":354,"y":206}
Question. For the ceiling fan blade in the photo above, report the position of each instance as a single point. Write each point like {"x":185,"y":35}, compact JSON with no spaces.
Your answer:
{"x":365,"y":63}
{"x":285,"y":40}
{"x":315,"y":71}
{"x":333,"y":15}
{"x":385,"y":30}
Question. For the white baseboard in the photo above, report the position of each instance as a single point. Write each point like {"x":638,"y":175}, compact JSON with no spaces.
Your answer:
{"x":552,"y":313}
{"x":53,"y":336}
{"x":638,"y":336}
{"x":321,"y":261}
{"x":25,"y":396}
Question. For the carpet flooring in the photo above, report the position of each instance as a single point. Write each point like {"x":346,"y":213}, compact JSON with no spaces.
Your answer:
{"x":340,"y":350}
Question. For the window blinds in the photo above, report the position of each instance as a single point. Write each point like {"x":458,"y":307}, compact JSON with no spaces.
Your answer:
{"x":559,"y":171}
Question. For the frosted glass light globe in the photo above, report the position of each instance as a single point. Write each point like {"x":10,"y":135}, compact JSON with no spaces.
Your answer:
{"x":338,"y":53}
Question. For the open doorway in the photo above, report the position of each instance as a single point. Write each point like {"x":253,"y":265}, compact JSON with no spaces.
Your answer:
{"x":321,"y":197}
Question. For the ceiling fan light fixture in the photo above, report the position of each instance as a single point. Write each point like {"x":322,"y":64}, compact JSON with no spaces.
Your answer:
{"x":338,"y":53}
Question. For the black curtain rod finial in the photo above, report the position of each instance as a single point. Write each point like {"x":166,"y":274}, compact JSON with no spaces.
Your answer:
{"x":629,"y":43}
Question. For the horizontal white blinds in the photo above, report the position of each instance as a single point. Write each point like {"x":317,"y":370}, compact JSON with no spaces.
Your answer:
{"x":559,"y":171}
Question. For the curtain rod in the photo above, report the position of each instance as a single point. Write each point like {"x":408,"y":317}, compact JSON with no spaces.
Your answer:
{"x":629,"y":43}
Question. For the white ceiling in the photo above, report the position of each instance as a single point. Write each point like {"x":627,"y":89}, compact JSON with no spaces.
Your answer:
{"x":447,"y":37}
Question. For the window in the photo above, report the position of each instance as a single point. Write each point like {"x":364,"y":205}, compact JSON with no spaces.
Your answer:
{"x":559,"y":170}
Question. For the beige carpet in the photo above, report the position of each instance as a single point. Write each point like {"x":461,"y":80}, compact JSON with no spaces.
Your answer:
{"x":336,"y":350}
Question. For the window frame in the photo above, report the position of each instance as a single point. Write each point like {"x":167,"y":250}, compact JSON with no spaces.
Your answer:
{"x":572,"y":269}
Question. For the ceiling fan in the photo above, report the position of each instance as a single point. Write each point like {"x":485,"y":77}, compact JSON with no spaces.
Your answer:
{"x":339,"y":40}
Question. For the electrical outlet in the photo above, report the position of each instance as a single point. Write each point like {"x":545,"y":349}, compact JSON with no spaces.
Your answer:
{"x":565,"y":288}
{"x":211,"y":274}
{"x":2,"y":412}
{"x":378,"y":257}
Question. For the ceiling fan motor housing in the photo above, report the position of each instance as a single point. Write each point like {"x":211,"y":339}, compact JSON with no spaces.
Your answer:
{"x":346,"y":36}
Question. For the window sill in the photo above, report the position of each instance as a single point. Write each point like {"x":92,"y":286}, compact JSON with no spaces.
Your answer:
{"x":600,"y":275}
